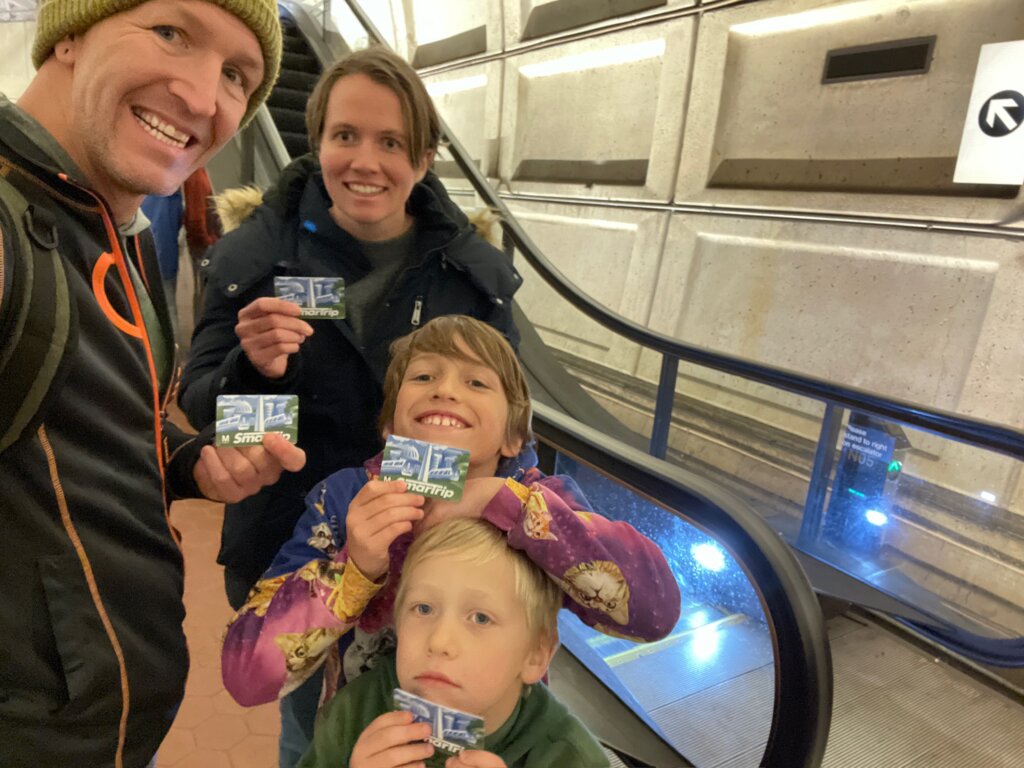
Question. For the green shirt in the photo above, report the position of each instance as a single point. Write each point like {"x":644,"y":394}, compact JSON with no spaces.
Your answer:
{"x":540,"y":733}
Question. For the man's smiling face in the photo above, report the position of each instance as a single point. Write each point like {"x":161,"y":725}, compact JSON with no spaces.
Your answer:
{"x":155,"y":92}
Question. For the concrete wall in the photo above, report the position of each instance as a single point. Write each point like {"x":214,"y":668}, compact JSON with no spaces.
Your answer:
{"x":688,"y":167}
{"x":15,"y":52}
{"x":822,"y":231}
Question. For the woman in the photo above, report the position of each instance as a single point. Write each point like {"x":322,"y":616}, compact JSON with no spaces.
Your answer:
{"x":362,"y":206}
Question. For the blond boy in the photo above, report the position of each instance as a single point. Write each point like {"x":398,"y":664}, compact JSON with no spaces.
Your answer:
{"x":477,"y":627}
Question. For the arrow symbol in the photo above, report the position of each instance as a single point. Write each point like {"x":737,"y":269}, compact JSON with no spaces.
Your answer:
{"x":997,"y":110}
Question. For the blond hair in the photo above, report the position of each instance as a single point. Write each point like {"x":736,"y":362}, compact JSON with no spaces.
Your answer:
{"x":382,"y":66}
{"x":478,"y":542}
{"x":441,"y":336}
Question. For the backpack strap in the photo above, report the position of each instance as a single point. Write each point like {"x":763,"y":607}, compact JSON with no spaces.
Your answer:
{"x":38,"y":319}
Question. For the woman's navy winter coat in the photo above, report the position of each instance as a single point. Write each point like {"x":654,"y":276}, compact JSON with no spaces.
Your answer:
{"x":337,"y":376}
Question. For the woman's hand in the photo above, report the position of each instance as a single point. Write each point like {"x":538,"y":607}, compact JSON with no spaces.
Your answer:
{"x":392,"y":740}
{"x":380,"y":513}
{"x":270,"y":330}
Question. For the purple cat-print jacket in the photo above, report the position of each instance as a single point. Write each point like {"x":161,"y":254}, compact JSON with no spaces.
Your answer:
{"x":302,"y":610}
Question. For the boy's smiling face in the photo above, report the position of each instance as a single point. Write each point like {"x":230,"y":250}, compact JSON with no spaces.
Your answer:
{"x":463,"y":639}
{"x":456,"y":402}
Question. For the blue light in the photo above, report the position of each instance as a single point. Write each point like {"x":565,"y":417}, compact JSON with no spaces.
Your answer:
{"x":709,"y":556}
{"x":704,"y":645}
{"x":698,"y":619}
{"x":875,"y":517}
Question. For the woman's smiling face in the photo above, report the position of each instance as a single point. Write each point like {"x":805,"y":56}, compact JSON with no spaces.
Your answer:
{"x":365,"y":161}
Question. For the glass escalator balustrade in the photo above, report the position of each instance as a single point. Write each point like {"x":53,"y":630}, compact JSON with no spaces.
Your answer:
{"x":932,"y":522}
{"x":708,"y":687}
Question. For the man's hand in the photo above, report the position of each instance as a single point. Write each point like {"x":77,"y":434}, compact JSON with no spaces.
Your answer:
{"x":476,"y":495}
{"x":380,"y":513}
{"x":392,"y":740}
{"x":475,"y":758}
{"x":232,"y":474}
{"x":270,"y":330}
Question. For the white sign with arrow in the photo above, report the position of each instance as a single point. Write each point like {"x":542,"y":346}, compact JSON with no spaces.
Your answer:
{"x":992,"y":147}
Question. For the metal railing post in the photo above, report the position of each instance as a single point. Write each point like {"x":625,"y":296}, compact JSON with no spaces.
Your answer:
{"x":817,"y":489}
{"x":248,"y":149}
{"x":663,"y":406}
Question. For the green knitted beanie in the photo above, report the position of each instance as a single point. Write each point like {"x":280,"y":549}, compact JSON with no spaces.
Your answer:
{"x":56,"y":19}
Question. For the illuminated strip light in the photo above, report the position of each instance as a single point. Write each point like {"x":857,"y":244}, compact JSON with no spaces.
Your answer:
{"x":646,"y":649}
{"x":607,"y":57}
{"x":445,"y":87}
{"x":988,"y":497}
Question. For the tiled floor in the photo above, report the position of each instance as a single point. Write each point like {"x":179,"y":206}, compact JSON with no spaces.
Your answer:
{"x":211,"y":730}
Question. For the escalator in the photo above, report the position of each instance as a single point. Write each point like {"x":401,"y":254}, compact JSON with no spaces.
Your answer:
{"x":878,"y":530}
{"x":300,"y":69}
{"x":679,"y":701}
{"x":922,"y":523}
{"x":746,"y":673}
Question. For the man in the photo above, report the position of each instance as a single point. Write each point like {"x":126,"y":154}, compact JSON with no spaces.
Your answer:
{"x":130,"y":97}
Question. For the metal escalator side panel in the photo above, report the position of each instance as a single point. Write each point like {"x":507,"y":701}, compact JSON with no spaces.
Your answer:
{"x":802,"y":675}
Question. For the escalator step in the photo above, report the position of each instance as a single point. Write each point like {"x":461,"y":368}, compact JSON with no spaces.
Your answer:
{"x":300,"y":61}
{"x":295,"y":44}
{"x":288,"y":99}
{"x":289,"y":120}
{"x":297,"y":81}
{"x":296,"y":143}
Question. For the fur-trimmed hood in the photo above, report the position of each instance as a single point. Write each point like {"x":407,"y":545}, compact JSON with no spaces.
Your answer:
{"x":236,"y":205}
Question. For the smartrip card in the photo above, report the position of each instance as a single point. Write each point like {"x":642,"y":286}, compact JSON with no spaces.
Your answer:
{"x":427,"y":469}
{"x":452,"y":730}
{"x":319,"y":297}
{"x":244,"y":419}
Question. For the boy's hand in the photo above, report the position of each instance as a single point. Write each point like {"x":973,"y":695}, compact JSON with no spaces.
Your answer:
{"x":270,"y":330}
{"x":476,"y":495}
{"x":232,"y":474}
{"x":380,"y":513}
{"x":392,"y":740}
{"x":475,"y":758}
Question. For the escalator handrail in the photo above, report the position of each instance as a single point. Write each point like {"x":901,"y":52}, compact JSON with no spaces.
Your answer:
{"x":308,"y":28}
{"x":803,"y":666}
{"x":265,"y":123}
{"x":995,"y":437}
{"x":803,"y":688}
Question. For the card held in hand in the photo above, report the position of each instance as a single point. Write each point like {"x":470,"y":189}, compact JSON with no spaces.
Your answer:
{"x":319,"y":297}
{"x":451,"y":730}
{"x":245,"y":419}
{"x":427,"y":468}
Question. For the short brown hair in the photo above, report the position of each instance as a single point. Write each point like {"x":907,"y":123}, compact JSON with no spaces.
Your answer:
{"x":382,"y":66}
{"x":476,"y":541}
{"x":441,"y":336}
